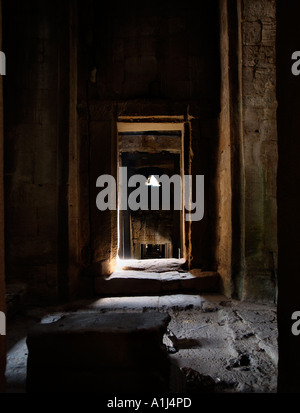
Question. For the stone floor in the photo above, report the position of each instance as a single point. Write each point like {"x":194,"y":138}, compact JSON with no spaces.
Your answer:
{"x":215,"y":345}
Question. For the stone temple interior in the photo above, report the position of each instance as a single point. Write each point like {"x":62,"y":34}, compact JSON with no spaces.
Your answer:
{"x":131,"y":299}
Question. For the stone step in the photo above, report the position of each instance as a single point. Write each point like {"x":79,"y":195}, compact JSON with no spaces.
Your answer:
{"x":102,"y":353}
{"x":135,"y":283}
{"x":150,"y":303}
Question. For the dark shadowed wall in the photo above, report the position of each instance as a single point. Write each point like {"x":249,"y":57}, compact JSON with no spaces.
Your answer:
{"x":288,"y":42}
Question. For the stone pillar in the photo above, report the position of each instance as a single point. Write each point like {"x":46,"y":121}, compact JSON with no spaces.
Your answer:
{"x":259,"y":123}
{"x":2,"y":268}
{"x":247,"y":155}
{"x":230,"y":166}
{"x":37,"y":147}
{"x":104,"y":243}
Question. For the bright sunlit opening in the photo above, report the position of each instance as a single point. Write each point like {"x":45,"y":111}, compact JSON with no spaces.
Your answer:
{"x":152,"y":181}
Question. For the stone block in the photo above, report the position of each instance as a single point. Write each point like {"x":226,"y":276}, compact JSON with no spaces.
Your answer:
{"x":95,"y":352}
{"x":269,"y":34}
{"x":259,"y":9}
{"x":259,"y":55}
{"x":252,"y":33}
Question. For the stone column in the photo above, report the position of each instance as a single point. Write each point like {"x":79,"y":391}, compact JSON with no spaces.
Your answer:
{"x":259,"y":123}
{"x":247,"y":157}
{"x":230,"y":166}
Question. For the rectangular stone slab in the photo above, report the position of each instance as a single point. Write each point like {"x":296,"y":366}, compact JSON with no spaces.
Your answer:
{"x":91,"y":351}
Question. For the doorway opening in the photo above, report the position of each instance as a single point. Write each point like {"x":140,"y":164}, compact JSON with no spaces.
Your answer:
{"x":151,"y":151}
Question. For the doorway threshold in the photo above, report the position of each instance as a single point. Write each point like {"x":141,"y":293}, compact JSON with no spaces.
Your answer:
{"x":152,"y":265}
{"x":156,"y":277}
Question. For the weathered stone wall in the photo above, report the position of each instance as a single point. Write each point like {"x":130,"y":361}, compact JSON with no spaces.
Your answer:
{"x":247,"y":161}
{"x":260,"y":146}
{"x":36,"y":99}
{"x":152,"y":229}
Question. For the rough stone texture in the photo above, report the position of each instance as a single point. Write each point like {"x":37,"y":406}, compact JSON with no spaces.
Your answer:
{"x":234,"y":349}
{"x":247,"y":153}
{"x":259,"y":103}
{"x":95,"y":352}
{"x":222,"y":346}
{"x":154,"y":265}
